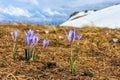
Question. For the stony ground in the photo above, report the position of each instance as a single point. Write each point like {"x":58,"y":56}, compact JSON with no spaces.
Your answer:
{"x":97,"y":56}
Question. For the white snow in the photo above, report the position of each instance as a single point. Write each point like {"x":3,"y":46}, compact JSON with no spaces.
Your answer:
{"x":107,"y":17}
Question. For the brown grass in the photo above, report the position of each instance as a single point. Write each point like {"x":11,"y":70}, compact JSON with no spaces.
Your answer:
{"x":97,"y":56}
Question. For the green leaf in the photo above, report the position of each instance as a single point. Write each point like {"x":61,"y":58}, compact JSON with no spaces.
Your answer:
{"x":72,"y":64}
{"x":14,"y":53}
{"x":28,"y":54}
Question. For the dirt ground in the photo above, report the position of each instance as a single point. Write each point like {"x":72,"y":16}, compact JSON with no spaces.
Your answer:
{"x":97,"y":56}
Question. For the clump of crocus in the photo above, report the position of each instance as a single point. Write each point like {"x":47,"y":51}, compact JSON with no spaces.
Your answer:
{"x":72,"y":36}
{"x":14,"y":36}
{"x":30,"y":39}
{"x":45,"y":43}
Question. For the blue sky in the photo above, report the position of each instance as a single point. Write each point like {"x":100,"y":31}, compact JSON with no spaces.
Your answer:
{"x":47,"y":11}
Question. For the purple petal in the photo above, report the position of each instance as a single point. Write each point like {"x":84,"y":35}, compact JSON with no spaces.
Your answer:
{"x":115,"y":40}
{"x":30,"y":40}
{"x":29,"y":33}
{"x":70,"y":36}
{"x":14,"y":34}
{"x":75,"y":33}
{"x":78,"y":37}
{"x":37,"y":38}
{"x":45,"y":43}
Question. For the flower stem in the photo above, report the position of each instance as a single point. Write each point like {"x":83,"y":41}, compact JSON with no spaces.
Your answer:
{"x":72,"y":61}
{"x":14,"y":51}
{"x":32,"y":57}
{"x":71,"y":49}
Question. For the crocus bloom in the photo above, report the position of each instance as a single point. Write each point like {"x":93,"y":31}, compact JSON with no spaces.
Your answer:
{"x":78,"y":37}
{"x":29,"y":33}
{"x":45,"y":43}
{"x":36,"y":38}
{"x":115,"y":40}
{"x":72,"y":35}
{"x":14,"y":34}
{"x":30,"y":38}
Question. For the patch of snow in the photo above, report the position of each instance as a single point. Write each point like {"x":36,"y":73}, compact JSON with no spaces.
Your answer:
{"x":107,"y":17}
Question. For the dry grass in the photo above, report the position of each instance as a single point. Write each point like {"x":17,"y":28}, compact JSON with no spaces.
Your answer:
{"x":97,"y":56}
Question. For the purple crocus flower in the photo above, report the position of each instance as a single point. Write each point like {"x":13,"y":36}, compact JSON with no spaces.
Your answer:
{"x":72,"y":35}
{"x":115,"y":40}
{"x":29,"y":33}
{"x":45,"y":43}
{"x":30,"y":38}
{"x":36,"y":38}
{"x":78,"y":37}
{"x":14,"y":34}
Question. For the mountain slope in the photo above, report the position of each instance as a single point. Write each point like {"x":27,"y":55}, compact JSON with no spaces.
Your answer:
{"x":80,"y":14}
{"x":107,"y":17}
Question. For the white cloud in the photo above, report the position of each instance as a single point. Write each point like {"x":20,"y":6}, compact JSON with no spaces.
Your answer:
{"x":50,"y":12}
{"x":15,"y":11}
{"x":34,"y":2}
{"x":53,"y":12}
